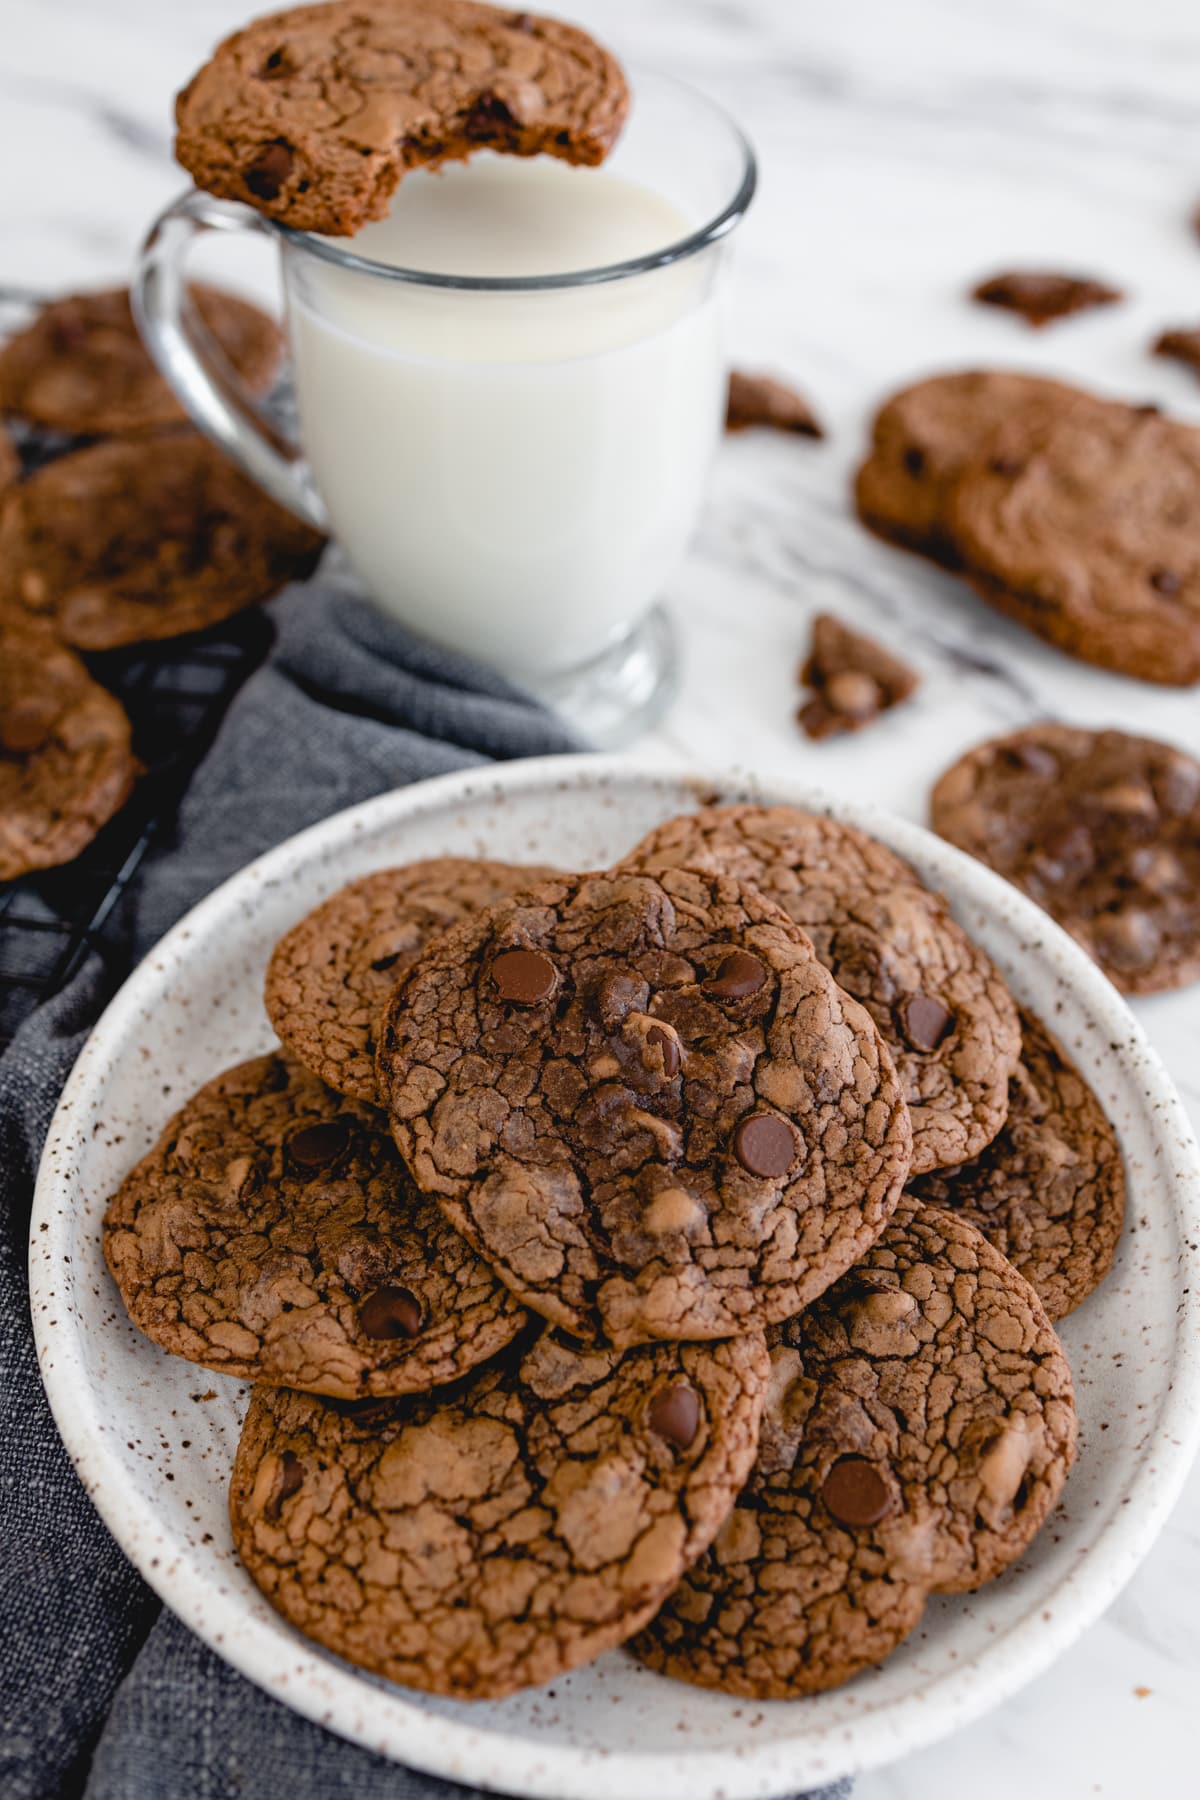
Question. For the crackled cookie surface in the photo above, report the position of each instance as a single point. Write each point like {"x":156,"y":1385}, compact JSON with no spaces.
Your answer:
{"x":918,"y":1431}
{"x":144,"y":538}
{"x":313,"y":115}
{"x":940,"y":1005}
{"x":66,"y":762}
{"x":329,"y":978}
{"x":487,"y":1538}
{"x":272,"y":1233}
{"x":646,"y":1103}
{"x":1099,"y":827}
{"x":1049,"y":1191}
{"x":81,"y":367}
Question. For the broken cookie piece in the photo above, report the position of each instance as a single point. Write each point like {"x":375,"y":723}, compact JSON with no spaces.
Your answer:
{"x":762,"y":400}
{"x":1040,"y":298}
{"x":1181,"y":344}
{"x":853,"y":678}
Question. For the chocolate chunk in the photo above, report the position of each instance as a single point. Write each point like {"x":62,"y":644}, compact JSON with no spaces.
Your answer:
{"x":1035,"y":759}
{"x":317,"y":1146}
{"x":914,"y":460}
{"x":1166,"y":581}
{"x":765,"y":1145}
{"x":266,"y":175}
{"x":1041,"y":298}
{"x":924,"y":1021}
{"x":1066,"y":853}
{"x":525,"y":977}
{"x":390,"y":1312}
{"x":667,"y":1044}
{"x":675,"y":1414}
{"x":619,"y":993}
{"x":288,"y":1482}
{"x":855,"y":1493}
{"x":738,"y":976}
{"x":761,"y":400}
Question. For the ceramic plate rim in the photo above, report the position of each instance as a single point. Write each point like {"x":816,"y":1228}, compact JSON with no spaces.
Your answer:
{"x":444,"y":1746}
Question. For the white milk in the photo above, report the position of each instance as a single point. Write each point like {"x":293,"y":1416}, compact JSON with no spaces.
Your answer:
{"x":513,"y":474}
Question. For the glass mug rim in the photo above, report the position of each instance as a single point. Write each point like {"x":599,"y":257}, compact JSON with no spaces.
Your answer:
{"x":328,"y":250}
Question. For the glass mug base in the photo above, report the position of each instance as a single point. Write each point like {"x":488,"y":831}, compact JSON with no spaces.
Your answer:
{"x":615,"y":697}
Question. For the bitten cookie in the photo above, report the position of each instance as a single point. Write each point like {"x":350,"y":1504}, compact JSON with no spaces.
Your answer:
{"x":646,"y":1103}
{"x":82,"y":368}
{"x":1100,"y":828}
{"x":328,"y":979}
{"x":919,"y":1428}
{"x":940,"y":1004}
{"x":66,"y":761}
{"x":273,"y":1234}
{"x":489,"y":1537}
{"x":1049,"y":1191}
{"x":314,"y":115}
{"x":124,"y":542}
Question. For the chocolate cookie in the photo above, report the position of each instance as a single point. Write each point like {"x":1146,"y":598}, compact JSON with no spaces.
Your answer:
{"x":1041,"y":298}
{"x":940,"y":1004}
{"x":1049,"y":1191}
{"x":491,"y":1536}
{"x":762,"y":400}
{"x":918,"y":1430}
{"x":1100,"y":828}
{"x":66,"y":762}
{"x":853,"y":679}
{"x":646,"y":1103}
{"x":124,"y":542}
{"x":314,"y":115}
{"x":273,"y":1234}
{"x":82,"y":368}
{"x":1088,"y":533}
{"x":330,"y":976}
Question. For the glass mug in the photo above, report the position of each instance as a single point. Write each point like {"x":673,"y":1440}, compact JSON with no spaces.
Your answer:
{"x":513,"y":465}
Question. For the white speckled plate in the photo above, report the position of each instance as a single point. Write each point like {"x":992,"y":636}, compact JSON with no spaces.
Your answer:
{"x":131,"y":1416}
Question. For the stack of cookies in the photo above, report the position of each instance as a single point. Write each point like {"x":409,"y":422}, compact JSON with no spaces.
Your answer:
{"x":127,"y":528}
{"x":664,"y":1255}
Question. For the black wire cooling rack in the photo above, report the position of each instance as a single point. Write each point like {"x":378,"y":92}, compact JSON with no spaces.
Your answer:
{"x":176,"y":694}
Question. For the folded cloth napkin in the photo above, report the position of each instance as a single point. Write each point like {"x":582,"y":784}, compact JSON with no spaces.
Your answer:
{"x":102,"y":1692}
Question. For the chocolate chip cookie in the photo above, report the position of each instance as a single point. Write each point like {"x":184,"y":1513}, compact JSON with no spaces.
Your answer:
{"x":919,"y":1428}
{"x":764,"y":400}
{"x":330,"y":976}
{"x":1040,"y":298}
{"x":128,"y":541}
{"x":940,"y":1004}
{"x":313,"y":115}
{"x":1100,"y":828}
{"x":489,"y":1537}
{"x":1049,"y":1191}
{"x":66,"y":760}
{"x":273,"y":1234}
{"x":646,"y":1103}
{"x":81,"y":367}
{"x":853,"y":679}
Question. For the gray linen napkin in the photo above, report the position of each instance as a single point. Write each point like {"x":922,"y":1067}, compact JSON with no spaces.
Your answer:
{"x":102,"y":1692}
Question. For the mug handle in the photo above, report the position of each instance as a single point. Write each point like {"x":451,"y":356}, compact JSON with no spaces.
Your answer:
{"x":193,"y":362}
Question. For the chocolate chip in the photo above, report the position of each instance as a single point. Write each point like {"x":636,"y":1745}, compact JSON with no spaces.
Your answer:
{"x":1129,"y":938}
{"x":267,"y":174}
{"x":1005,"y":465}
{"x":291,"y":1480}
{"x":854,"y":693}
{"x":1166,"y":581}
{"x":855,"y":1493}
{"x":924,"y":1021}
{"x":765,"y":1145}
{"x":618,"y":994}
{"x":914,"y":460}
{"x":667,"y":1043}
{"x":738,"y":976}
{"x":524,"y":976}
{"x":1067,"y":853}
{"x":276,"y":66}
{"x":390,"y":1312}
{"x":1035,"y":759}
{"x":316,"y":1146}
{"x":675,"y":1414}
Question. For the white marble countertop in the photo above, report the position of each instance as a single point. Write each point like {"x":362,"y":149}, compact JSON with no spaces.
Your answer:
{"x":906,"y":150}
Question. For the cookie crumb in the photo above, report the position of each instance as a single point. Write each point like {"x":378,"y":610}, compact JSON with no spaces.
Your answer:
{"x":1041,"y":298}
{"x":762,"y":400}
{"x":1143,"y":1693}
{"x":853,"y":679}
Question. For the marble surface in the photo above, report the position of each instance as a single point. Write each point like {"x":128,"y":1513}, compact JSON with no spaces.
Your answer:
{"x":906,"y":151}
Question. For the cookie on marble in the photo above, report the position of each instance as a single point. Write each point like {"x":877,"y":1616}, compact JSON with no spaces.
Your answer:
{"x":144,"y":538}
{"x":273,"y":1234}
{"x":919,"y":1428}
{"x":314,"y":115}
{"x":81,"y":367}
{"x":940,"y":1004}
{"x":1049,"y":1190}
{"x":646,"y":1103}
{"x":1041,"y":298}
{"x":492,"y":1536}
{"x":1102,"y":829}
{"x":66,"y":756}
{"x":853,"y":679}
{"x":329,"y":978}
